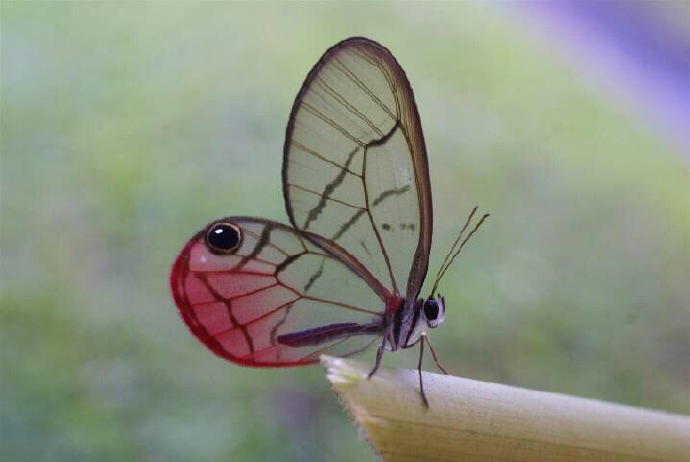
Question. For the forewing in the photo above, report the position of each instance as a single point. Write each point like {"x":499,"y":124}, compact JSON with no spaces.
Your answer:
{"x":355,"y":168}
{"x":278,"y":299}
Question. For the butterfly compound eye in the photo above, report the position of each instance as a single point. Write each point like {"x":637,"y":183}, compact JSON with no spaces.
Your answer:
{"x":223,"y":238}
{"x":431,"y":310}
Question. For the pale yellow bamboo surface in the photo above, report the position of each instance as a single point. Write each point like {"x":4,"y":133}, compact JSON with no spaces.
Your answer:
{"x":475,"y":421}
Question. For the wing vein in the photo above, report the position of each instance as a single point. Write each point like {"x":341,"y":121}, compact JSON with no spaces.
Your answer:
{"x":373,"y":226}
{"x":308,"y":107}
{"x":340,"y":304}
{"x":299,"y":145}
{"x":353,"y":77}
{"x":318,"y":352}
{"x":231,"y":315}
{"x":255,"y":320}
{"x":301,"y":188}
{"x":328,"y":190}
{"x":330,"y":90}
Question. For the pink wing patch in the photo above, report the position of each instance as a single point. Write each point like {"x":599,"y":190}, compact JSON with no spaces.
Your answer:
{"x":278,"y":299}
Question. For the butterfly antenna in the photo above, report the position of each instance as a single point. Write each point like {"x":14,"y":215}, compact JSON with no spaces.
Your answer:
{"x":455,"y":248}
{"x":452,"y":249}
{"x":457,"y":239}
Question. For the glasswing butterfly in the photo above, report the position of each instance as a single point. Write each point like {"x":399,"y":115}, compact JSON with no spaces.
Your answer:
{"x":349,"y":269}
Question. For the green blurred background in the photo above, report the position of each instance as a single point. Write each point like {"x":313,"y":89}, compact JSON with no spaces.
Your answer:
{"x":126,"y":127}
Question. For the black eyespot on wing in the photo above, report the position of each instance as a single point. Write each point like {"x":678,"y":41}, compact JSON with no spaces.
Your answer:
{"x":431,"y":310}
{"x":223,"y":238}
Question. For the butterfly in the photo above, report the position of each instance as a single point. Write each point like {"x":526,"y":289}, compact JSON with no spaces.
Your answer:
{"x":349,"y":270}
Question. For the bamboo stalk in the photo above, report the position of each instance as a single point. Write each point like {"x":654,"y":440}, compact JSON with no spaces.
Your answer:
{"x":477,"y":421}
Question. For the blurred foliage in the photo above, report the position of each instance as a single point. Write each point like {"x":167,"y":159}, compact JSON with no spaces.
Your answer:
{"x":127,"y":126}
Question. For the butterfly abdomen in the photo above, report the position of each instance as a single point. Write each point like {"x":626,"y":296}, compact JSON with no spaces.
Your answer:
{"x":325,"y":334}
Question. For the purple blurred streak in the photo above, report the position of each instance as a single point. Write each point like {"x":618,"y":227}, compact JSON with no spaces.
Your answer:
{"x":639,"y":53}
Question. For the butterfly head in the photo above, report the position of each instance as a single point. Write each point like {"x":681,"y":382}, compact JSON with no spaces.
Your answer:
{"x":434,"y":311}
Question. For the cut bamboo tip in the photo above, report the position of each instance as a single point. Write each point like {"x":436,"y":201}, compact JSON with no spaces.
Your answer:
{"x":469,"y":420}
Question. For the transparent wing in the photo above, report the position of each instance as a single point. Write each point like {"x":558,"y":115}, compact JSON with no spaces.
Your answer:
{"x":355,"y":168}
{"x":280,"y":298}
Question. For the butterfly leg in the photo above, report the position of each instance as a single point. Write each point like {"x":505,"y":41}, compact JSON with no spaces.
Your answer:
{"x":379,"y":356}
{"x":419,"y":370}
{"x":433,"y":353}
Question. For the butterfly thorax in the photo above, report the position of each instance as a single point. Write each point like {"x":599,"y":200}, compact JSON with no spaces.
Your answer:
{"x":412,"y":319}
